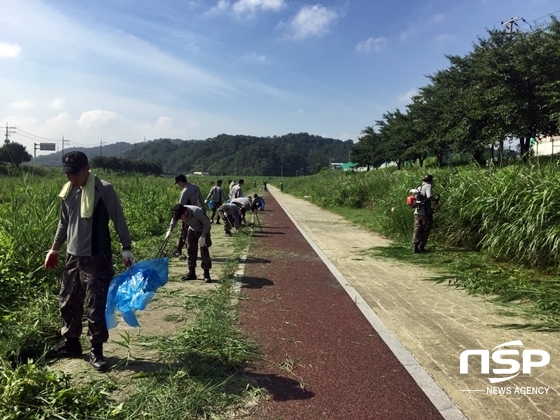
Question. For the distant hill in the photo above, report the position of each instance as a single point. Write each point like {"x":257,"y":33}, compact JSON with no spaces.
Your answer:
{"x":287,"y":155}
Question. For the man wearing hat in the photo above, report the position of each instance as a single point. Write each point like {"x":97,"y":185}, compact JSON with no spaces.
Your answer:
{"x":87,"y":205}
{"x":198,"y":236}
{"x":190,"y":196}
{"x":423,"y":215}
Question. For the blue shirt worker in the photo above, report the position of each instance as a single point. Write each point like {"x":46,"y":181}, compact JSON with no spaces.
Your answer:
{"x":88,"y":203}
{"x":198,"y":236}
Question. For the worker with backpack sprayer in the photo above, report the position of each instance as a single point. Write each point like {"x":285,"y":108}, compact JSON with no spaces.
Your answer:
{"x":421,"y":201}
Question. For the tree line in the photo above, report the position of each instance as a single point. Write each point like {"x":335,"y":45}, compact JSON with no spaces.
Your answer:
{"x":126,"y":165}
{"x":287,"y":155}
{"x":506,"y":88}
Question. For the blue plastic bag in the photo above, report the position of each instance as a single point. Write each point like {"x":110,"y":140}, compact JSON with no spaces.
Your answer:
{"x":133,"y":289}
{"x":209,"y":204}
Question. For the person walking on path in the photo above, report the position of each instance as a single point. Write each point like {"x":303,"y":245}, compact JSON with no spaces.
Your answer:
{"x":423,"y":214}
{"x":232,"y":215}
{"x":218,"y":197}
{"x":87,"y":205}
{"x":237,"y":191}
{"x":190,"y":196}
{"x":198,"y":236}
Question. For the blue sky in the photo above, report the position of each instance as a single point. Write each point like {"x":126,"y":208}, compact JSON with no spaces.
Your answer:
{"x":129,"y":70}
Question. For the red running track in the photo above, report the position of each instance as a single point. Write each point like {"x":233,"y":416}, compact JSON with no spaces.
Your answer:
{"x":321,"y":357}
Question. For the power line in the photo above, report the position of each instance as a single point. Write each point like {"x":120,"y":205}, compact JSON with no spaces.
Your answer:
{"x":33,"y":135}
{"x":549,"y":14}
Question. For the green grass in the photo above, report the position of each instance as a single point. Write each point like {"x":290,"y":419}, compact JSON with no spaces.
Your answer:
{"x":205,"y":361}
{"x":497,"y":232}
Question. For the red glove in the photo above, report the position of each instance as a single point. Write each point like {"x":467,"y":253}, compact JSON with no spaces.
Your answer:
{"x":51,"y":260}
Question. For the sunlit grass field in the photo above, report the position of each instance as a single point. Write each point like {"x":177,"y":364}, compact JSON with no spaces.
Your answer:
{"x":202,"y":379}
{"x":497,"y":231}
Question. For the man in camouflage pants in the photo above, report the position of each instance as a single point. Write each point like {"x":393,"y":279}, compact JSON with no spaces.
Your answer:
{"x":88,"y":203}
{"x":198,"y":236}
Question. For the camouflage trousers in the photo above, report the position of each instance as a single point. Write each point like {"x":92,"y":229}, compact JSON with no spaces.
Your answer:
{"x":182,"y":236}
{"x":422,"y":226}
{"x":215,"y":206}
{"x":192,"y":250}
{"x":229,"y":221}
{"x":85,"y":279}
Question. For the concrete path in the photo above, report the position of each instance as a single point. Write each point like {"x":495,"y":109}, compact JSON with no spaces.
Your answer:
{"x":436,"y":323}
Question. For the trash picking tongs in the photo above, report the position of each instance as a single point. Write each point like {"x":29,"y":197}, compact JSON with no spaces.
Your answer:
{"x":162,"y":248}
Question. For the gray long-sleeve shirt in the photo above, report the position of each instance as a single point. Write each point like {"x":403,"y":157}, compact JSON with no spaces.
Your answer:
{"x":196,"y":220}
{"x":244,"y":202}
{"x":217,"y":194}
{"x":236,"y":191}
{"x":90,"y":236}
{"x":191,"y":196}
{"x":231,"y":210}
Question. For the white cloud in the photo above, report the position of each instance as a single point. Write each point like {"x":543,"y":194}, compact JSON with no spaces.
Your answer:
{"x":221,"y":7}
{"x":9,"y":50}
{"x":371,"y":44}
{"x":164,"y":123}
{"x":247,"y":8}
{"x":406,"y":97}
{"x":310,"y":21}
{"x":252,"y":6}
{"x":97,"y":117}
{"x":23,"y":104}
{"x":61,"y":121}
{"x":254,"y":57}
{"x":57,"y":103}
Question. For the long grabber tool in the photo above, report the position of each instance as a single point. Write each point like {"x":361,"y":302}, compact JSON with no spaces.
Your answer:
{"x":256,"y":217}
{"x":162,"y":247}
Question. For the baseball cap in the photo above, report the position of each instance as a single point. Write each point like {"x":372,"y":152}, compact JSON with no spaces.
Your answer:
{"x":180,"y":178}
{"x":73,"y":162}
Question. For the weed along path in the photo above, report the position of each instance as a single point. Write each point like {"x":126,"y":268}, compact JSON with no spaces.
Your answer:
{"x":321,"y":357}
{"x":324,"y":360}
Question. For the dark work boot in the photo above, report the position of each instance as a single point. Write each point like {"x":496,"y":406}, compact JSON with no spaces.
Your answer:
{"x":191,"y":275}
{"x":207,"y":277}
{"x":68,"y":348}
{"x":416,"y":248}
{"x":422,"y":247}
{"x":96,"y":358}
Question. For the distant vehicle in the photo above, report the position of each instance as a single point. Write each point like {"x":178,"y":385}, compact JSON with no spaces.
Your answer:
{"x":202,"y":173}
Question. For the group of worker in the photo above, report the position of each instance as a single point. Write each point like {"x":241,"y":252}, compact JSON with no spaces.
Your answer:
{"x":88,"y":203}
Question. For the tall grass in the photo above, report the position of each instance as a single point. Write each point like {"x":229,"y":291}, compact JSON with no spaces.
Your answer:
{"x":511,"y":213}
{"x":202,"y":380}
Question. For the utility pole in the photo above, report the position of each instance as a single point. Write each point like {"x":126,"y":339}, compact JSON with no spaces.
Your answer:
{"x":509,"y":24}
{"x":64,"y":141}
{"x":9,"y":130}
{"x":281,"y":171}
{"x":101,"y":147}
